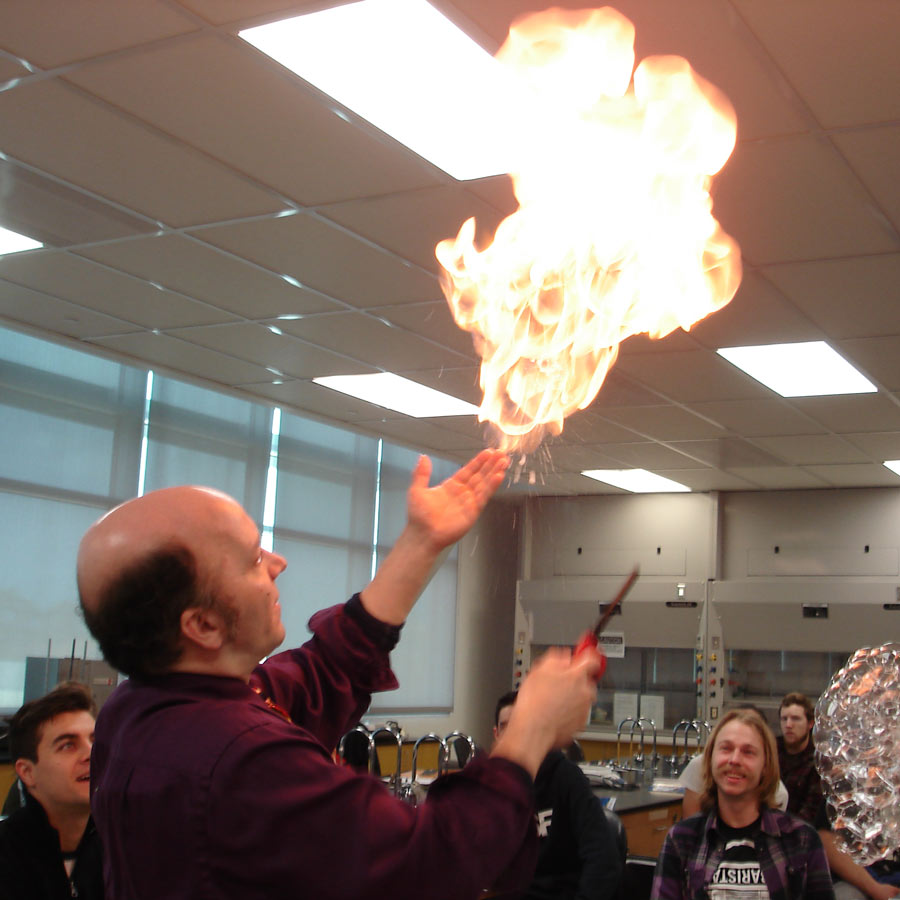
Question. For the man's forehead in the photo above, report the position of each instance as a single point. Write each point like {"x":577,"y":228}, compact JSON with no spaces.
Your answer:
{"x":74,"y":722}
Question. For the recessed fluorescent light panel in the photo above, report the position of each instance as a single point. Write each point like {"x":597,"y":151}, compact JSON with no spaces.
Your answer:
{"x":638,"y":481}
{"x":399,"y":394}
{"x":893,"y":465}
{"x":409,"y":71}
{"x":810,"y":369}
{"x":13,"y":242}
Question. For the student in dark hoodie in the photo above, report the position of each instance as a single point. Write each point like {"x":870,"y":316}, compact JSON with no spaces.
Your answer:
{"x":577,"y":855}
{"x":49,"y":849}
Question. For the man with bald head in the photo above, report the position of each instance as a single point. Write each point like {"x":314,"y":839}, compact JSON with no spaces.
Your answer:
{"x":212,"y":775}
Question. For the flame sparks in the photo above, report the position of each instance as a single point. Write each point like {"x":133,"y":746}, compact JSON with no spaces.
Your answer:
{"x":614,"y":233}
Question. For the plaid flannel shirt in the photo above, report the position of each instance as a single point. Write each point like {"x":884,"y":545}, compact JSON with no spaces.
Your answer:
{"x":791,"y":858}
{"x":804,"y":787}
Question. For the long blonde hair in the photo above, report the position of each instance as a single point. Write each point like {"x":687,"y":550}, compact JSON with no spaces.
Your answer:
{"x":768,"y":782}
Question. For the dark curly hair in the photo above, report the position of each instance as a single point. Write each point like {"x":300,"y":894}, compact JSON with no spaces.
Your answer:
{"x":137,"y":619}
{"x":27,"y":725}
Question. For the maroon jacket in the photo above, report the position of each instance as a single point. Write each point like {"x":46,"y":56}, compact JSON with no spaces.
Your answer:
{"x":202,"y":792}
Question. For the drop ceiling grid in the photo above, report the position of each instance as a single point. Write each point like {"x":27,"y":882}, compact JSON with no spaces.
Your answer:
{"x":134,"y":300}
{"x":208,"y":274}
{"x":53,"y":127}
{"x":247,"y":111}
{"x":804,"y":254}
{"x":818,"y":44}
{"x":50,"y":34}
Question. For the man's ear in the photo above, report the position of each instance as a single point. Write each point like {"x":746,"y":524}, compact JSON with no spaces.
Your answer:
{"x":204,"y":627}
{"x":25,"y":771}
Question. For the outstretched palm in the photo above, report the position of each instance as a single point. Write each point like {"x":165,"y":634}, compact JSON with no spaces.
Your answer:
{"x":448,"y":510}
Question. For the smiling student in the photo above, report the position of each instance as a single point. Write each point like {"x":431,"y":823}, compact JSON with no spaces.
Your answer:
{"x":739,"y":847}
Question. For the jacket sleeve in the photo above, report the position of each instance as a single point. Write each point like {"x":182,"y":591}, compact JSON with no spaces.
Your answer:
{"x":601,"y":867}
{"x":326,"y":685}
{"x":311,"y":828}
{"x":813,"y":799}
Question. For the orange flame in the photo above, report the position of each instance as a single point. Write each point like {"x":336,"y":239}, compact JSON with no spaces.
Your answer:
{"x":614,"y":233}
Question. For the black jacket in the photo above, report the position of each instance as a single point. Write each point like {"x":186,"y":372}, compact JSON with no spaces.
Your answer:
{"x":578,"y":857}
{"x":31,"y":864}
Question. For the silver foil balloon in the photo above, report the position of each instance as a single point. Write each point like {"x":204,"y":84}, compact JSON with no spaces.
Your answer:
{"x":857,"y":738}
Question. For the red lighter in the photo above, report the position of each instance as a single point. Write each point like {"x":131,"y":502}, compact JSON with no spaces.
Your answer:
{"x":589,"y":638}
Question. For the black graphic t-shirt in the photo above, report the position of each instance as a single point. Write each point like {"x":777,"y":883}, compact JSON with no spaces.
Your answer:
{"x":739,"y":876}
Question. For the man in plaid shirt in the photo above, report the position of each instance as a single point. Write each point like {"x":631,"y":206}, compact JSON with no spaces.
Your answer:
{"x":739,"y":848}
{"x":796,"y":757}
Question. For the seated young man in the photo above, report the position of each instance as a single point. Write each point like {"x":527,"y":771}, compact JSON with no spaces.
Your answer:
{"x":741,"y":849}
{"x":577,"y":855}
{"x":49,"y":849}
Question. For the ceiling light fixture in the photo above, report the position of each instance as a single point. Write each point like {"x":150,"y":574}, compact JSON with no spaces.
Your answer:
{"x":811,"y":369}
{"x":408,"y":70}
{"x":399,"y":394}
{"x":638,"y":481}
{"x":893,"y":465}
{"x":13,"y":242}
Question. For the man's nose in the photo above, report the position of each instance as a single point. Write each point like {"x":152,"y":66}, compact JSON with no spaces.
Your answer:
{"x":277,"y":564}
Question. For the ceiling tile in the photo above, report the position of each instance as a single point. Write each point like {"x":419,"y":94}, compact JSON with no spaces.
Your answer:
{"x":56,"y":215}
{"x":780,"y":478}
{"x":871,"y":475}
{"x":585,"y":427}
{"x":85,"y":142}
{"x":752,"y":418}
{"x":691,"y":376}
{"x":726,"y":453}
{"x":756,"y":315}
{"x":877,"y":357}
{"x":325,"y":259}
{"x":79,"y":29}
{"x":221,"y":11}
{"x":794,"y":199}
{"x":878,"y":445}
{"x":575,"y":458}
{"x":643,"y":343}
{"x":431,"y":320}
{"x":647,"y":455}
{"x":426,"y":433}
{"x":411,"y":223}
{"x":305,"y":399}
{"x":367,"y":339}
{"x":288,"y":355}
{"x":198,"y":270}
{"x":867,"y":152}
{"x":856,"y":297}
{"x":183,"y":358}
{"x":813,"y":449}
{"x":130,"y":299}
{"x":664,"y":423}
{"x":461,"y":383}
{"x":497,"y":191}
{"x":621,"y":390}
{"x":849,"y":413}
{"x":534,"y":482}
{"x":702,"y":480}
{"x":240,"y":107}
{"x":819,"y":44}
{"x":20,"y":305}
